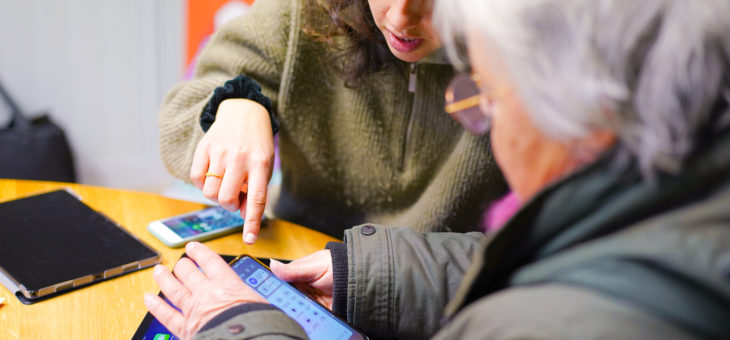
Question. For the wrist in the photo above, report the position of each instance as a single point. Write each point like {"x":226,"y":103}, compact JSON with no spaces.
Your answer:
{"x":233,"y":312}
{"x":241,"y":87}
{"x":237,"y":107}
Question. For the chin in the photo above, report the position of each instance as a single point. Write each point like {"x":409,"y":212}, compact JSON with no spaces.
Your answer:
{"x":409,"y":57}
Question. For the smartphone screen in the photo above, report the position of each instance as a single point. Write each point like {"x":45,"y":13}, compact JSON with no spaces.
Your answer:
{"x":203,"y":221}
{"x":317,"y":321}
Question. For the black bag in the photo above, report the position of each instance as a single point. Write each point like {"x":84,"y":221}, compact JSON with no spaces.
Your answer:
{"x":34,"y":149}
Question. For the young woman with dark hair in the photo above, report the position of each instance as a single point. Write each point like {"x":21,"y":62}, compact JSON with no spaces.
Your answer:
{"x":355,"y":91}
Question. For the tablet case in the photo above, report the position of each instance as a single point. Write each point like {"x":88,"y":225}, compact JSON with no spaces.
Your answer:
{"x":53,"y":243}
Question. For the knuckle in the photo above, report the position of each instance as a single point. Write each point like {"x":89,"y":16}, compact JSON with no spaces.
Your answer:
{"x":259,"y":199}
{"x":196,"y":177}
{"x":167,"y":319}
{"x":187,"y":276}
{"x":207,"y":262}
{"x":252,"y":222}
{"x":177,"y":269}
{"x":261,"y":158}
{"x":204,"y":145}
{"x":210,"y":194}
{"x":240,"y":155}
{"x":227,"y":199}
{"x":178,"y":295}
{"x":216,"y":151}
{"x":175,"y":324}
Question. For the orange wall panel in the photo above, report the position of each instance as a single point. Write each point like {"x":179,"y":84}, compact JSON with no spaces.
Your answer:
{"x":200,"y":15}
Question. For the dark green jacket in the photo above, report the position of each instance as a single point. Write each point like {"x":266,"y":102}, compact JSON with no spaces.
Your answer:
{"x":601,"y":254}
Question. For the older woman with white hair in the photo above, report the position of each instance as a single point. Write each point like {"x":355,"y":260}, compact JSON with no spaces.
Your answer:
{"x":611,"y":122}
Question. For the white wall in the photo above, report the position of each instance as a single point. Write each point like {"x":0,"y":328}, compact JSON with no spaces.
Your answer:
{"x":101,"y":69}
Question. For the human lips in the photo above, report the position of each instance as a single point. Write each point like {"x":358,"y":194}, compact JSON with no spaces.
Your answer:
{"x":403,"y":44}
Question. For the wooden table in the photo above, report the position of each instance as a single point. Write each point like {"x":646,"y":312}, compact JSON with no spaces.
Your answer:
{"x":113,"y":309}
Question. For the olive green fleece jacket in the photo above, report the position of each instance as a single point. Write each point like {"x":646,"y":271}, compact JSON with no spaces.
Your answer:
{"x":378,"y":153}
{"x":601,"y":254}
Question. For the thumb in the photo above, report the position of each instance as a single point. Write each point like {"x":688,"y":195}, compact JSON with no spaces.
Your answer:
{"x":296,"y":271}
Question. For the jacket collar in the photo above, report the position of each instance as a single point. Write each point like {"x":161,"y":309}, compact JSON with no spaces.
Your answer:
{"x":594,"y":201}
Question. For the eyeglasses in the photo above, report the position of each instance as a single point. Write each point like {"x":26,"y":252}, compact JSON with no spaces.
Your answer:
{"x":462,"y":103}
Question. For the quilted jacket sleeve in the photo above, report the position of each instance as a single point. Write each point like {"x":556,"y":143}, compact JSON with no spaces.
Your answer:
{"x":400,"y":280}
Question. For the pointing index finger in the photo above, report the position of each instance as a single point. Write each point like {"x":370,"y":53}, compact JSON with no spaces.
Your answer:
{"x":255,"y":204}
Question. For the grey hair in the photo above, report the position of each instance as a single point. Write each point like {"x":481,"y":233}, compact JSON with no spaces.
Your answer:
{"x":654,"y":72}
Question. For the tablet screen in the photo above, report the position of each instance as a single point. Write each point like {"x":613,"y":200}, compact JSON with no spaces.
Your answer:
{"x":151,"y":329}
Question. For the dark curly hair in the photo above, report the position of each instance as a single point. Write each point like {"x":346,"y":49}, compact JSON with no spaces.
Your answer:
{"x":349,"y":29}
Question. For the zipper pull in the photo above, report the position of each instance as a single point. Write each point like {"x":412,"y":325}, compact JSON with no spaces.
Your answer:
{"x":412,"y":79}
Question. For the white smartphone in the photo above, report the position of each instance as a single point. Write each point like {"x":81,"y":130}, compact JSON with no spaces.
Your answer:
{"x":195,"y":226}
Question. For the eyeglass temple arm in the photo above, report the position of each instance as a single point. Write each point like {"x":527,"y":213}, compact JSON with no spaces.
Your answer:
{"x":462,"y":104}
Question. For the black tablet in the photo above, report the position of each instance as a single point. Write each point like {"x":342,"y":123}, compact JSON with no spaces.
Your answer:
{"x":53,"y":243}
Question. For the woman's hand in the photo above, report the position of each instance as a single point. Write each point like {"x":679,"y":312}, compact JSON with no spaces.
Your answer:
{"x":233,"y":162}
{"x":311,"y":274}
{"x":201,"y":294}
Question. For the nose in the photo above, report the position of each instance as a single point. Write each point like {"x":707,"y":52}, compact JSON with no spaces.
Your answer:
{"x":407,"y":14}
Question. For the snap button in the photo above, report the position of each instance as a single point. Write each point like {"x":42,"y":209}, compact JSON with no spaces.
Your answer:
{"x":235,"y":329}
{"x":367,"y":230}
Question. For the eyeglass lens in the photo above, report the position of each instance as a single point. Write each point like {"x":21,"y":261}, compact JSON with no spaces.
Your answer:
{"x":462,"y":102}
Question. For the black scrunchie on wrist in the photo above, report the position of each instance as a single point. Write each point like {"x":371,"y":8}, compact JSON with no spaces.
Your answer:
{"x":239,"y":87}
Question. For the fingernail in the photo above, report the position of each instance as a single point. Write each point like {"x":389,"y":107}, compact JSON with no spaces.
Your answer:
{"x":148,"y":298}
{"x":189,"y":246}
{"x":250,"y":238}
{"x":158,"y":269}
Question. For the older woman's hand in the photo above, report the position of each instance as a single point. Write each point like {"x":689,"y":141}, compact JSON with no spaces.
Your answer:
{"x":199,"y":293}
{"x":311,"y":274}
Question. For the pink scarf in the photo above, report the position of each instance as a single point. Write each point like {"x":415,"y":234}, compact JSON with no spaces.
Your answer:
{"x":499,"y":212}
